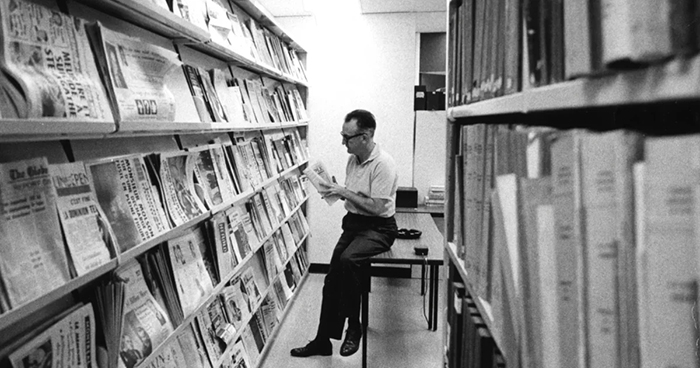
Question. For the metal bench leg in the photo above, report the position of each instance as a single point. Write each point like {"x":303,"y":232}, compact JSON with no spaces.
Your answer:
{"x":365,"y":314}
{"x":422,"y":279}
{"x":431,"y":291}
{"x":436,"y":282}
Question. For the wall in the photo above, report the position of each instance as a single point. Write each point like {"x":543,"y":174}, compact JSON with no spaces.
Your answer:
{"x":358,"y":61}
{"x":430,"y":151}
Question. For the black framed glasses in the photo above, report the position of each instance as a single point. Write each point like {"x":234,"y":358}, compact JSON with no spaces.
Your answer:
{"x":347,"y":138}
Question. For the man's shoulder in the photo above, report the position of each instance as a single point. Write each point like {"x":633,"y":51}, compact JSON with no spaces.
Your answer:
{"x":385,"y":157}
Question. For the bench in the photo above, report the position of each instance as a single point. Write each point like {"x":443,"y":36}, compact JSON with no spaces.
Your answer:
{"x":402,"y":252}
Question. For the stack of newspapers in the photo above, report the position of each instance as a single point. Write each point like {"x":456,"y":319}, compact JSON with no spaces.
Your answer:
{"x":46,"y":66}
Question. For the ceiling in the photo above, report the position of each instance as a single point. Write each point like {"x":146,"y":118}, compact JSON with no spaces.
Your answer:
{"x":282,"y":8}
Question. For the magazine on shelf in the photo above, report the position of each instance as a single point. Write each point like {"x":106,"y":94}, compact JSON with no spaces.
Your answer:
{"x":161,"y":269}
{"x":247,"y":161}
{"x":239,"y":42}
{"x":207,"y":250}
{"x":229,"y":95}
{"x":255,"y":221}
{"x":70,"y":342}
{"x":290,"y":279}
{"x":128,"y":199}
{"x":193,"y":11}
{"x":239,"y":356}
{"x":283,"y":293}
{"x":227,"y":184}
{"x":240,"y":237}
{"x":251,"y":287}
{"x":282,"y":249}
{"x":250,"y":88}
{"x":273,"y":263}
{"x":262,"y":155}
{"x":177,"y":177}
{"x":194,"y":82}
{"x":258,"y":216}
{"x":134,"y":73}
{"x":85,"y":227}
{"x":220,"y":233}
{"x":258,"y":329}
{"x":218,"y":23}
{"x":298,"y":189}
{"x":236,"y":303}
{"x":237,"y":166}
{"x":209,"y":176}
{"x":191,"y":277}
{"x":145,"y":323}
{"x":288,"y":238}
{"x":269,"y":312}
{"x":211,"y":321}
{"x":274,"y":214}
{"x":212,"y":98}
{"x":250,"y":345}
{"x":193,"y":348}
{"x":281,"y":197}
{"x":32,"y":259}
{"x":153,"y":283}
{"x":46,"y":64}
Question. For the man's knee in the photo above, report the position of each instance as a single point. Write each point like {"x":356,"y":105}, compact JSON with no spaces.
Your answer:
{"x":347,"y":260}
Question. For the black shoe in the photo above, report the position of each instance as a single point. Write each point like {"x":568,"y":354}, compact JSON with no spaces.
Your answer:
{"x":352,"y":342}
{"x":314,"y":347}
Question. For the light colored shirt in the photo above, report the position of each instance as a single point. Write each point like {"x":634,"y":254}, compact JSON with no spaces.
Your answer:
{"x":374,"y":178}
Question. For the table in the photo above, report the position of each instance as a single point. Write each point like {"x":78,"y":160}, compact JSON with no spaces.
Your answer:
{"x":402,"y":253}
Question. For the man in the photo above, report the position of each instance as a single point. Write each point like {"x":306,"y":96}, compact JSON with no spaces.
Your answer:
{"x":369,"y":228}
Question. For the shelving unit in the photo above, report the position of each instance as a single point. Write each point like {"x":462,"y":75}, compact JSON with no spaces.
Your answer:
{"x":644,"y":105}
{"x":66,"y":135}
{"x":674,"y":81}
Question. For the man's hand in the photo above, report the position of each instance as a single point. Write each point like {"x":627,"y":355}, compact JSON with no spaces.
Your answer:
{"x":332,"y":189}
{"x":374,"y":206}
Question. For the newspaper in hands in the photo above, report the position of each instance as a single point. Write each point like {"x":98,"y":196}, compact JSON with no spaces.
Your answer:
{"x":318,"y":175}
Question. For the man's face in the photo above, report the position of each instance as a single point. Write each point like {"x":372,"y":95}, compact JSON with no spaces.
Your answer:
{"x":352,"y":137}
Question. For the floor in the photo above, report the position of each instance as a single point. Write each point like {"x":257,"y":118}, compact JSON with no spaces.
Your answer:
{"x":398,"y":334}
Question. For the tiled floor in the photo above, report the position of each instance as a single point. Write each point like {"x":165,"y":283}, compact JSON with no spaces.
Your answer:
{"x":398,"y":334}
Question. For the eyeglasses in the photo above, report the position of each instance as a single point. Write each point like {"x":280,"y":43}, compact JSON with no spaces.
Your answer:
{"x":347,"y":138}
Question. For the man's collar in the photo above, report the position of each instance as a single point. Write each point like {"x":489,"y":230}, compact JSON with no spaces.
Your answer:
{"x":372,"y":155}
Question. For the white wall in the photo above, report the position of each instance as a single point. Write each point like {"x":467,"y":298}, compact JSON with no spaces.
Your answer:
{"x":430,"y":151}
{"x":358,"y":61}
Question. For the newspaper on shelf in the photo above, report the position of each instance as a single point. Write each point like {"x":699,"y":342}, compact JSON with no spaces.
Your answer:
{"x":318,"y":175}
{"x":128,"y":199}
{"x":32,"y":257}
{"x":191,"y":278}
{"x":177,"y":179}
{"x":85,"y":227}
{"x":235,"y":299}
{"x":170,"y":356}
{"x":193,"y":348}
{"x":47,"y":66}
{"x":70,"y":342}
{"x":134,"y":73}
{"x":145,"y":324}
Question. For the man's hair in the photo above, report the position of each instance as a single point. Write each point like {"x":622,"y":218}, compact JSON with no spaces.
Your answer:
{"x":365,"y":120}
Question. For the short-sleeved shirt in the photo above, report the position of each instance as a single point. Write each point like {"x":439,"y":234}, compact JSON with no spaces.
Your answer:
{"x":374,"y":178}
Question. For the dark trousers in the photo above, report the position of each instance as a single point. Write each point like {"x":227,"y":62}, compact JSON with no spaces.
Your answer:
{"x":362,"y":238}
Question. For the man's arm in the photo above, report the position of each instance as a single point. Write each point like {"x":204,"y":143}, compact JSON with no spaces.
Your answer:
{"x":374,"y":206}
